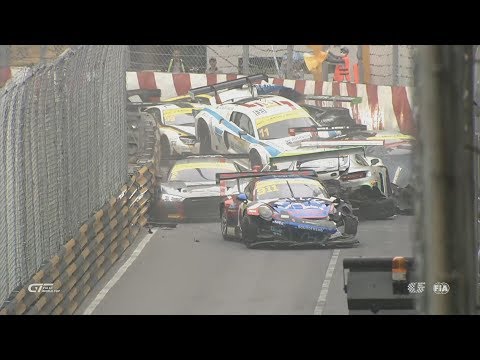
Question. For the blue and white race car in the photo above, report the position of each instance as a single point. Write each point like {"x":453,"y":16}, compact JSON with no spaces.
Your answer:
{"x":261,"y":126}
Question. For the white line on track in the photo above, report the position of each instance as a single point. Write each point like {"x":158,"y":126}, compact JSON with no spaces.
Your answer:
{"x":119,"y":274}
{"x":322,"y":298}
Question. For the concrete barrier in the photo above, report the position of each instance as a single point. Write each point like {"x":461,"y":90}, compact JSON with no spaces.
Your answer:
{"x":85,"y":258}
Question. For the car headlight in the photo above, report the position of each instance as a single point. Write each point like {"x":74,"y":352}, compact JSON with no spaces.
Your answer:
{"x":265,"y":212}
{"x":168,"y":197}
{"x":187,"y":140}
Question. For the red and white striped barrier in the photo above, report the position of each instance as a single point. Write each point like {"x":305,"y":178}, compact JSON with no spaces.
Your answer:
{"x":382,"y":107}
{"x":5,"y":74}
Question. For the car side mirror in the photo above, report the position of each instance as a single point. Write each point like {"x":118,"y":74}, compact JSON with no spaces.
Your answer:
{"x":242,"y":133}
{"x":242,"y":197}
{"x":374,"y":161}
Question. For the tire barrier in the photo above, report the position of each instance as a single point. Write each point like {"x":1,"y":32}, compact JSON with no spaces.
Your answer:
{"x":61,"y":285}
{"x":140,"y":137}
{"x":382,"y":107}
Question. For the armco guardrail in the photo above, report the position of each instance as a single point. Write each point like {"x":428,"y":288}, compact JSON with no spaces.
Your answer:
{"x":83,"y":260}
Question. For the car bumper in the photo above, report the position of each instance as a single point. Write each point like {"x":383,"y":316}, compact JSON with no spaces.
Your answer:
{"x":200,"y":209}
{"x":343,"y":242}
{"x":183,"y":149}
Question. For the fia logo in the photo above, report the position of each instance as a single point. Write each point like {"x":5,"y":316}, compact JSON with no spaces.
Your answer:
{"x":416,"y":287}
{"x":441,"y":288}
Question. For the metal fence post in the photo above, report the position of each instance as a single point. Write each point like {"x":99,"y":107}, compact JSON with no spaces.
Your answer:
{"x":361,"y":76}
{"x":245,"y":62}
{"x":446,"y":221}
{"x":4,"y":55}
{"x":43,"y":53}
{"x":289,"y":61}
{"x":476,"y":110}
{"x":395,"y":69}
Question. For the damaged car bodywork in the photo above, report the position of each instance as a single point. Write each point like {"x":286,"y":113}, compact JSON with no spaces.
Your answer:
{"x":286,"y":208}
{"x":189,"y":192}
{"x":397,"y":156}
{"x":349,"y":174}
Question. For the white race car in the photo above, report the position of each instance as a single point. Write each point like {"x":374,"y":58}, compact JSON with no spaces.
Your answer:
{"x":260,"y":126}
{"x":175,"y":130}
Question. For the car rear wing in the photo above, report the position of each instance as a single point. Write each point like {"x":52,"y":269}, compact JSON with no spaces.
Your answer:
{"x":226,"y":85}
{"x":350,"y":99}
{"x":223,"y":156}
{"x":344,"y":129}
{"x":256,"y":174}
{"x":337,"y":143}
{"x":316,"y":155}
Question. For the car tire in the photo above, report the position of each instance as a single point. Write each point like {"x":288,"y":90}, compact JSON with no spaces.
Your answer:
{"x":165,"y":151}
{"x":205,"y":140}
{"x":249,"y":230}
{"x":378,"y":209}
{"x":255,"y":159}
{"x":351,"y":224}
{"x":223,"y":225}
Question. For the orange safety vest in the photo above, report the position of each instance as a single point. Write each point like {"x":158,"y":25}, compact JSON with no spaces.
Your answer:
{"x":342,"y":72}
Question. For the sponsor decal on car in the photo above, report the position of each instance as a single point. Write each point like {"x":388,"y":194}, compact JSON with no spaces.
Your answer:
{"x":271,"y":119}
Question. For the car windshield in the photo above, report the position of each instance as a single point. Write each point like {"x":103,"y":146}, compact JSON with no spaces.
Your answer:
{"x":199,"y":172}
{"x":182,"y":117}
{"x":279,"y":129}
{"x":283,"y":188}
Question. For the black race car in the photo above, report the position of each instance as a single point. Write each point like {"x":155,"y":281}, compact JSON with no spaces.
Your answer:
{"x":289,"y":208}
{"x":190,"y":191}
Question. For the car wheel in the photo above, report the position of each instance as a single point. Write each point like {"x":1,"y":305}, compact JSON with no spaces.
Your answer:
{"x":351,"y":224}
{"x":164,"y":149}
{"x":223,"y":225}
{"x":205,"y":140}
{"x":255,"y":160}
{"x":249,"y":230}
{"x":377,"y":210}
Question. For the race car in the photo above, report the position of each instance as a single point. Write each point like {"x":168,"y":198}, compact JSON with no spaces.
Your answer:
{"x":348,"y":173}
{"x":175,"y":130}
{"x":259,"y":125}
{"x":397,"y":156}
{"x":225,"y":91}
{"x":189,"y":192}
{"x":290,"y":208}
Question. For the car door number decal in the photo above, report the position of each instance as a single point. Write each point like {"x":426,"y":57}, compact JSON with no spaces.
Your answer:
{"x":267,"y":189}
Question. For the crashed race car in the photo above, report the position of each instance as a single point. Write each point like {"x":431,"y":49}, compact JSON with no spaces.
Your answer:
{"x":286,"y":208}
{"x":397,"y":156}
{"x":347,"y":173}
{"x":190,"y":192}
{"x":175,"y":133}
{"x":258,"y":125}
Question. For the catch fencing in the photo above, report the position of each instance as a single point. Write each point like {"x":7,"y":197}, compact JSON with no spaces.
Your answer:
{"x":63,"y":153}
{"x":383,"y":64}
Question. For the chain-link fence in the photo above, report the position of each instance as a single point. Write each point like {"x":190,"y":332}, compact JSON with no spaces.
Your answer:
{"x":391,"y":64}
{"x":222,"y":59}
{"x":388,"y":64}
{"x":63,"y":153}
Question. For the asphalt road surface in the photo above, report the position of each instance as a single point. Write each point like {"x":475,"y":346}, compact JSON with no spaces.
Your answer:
{"x":192,"y":270}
